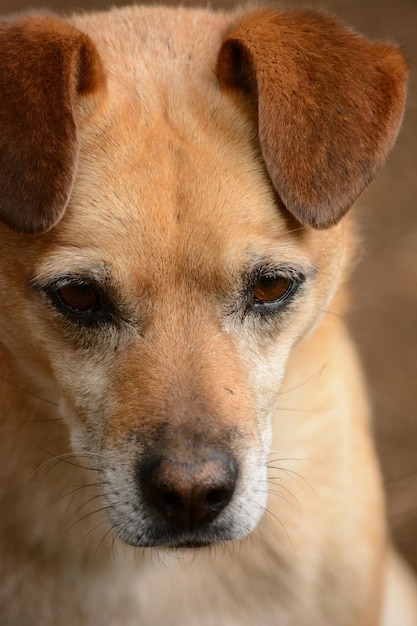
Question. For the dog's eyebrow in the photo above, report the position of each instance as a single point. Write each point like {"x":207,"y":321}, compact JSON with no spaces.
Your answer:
{"x":48,"y":273}
{"x":277,"y":266}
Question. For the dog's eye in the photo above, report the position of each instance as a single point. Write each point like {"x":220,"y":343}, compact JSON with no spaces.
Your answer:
{"x":79,"y":297}
{"x":80,"y":301}
{"x":272,"y":289}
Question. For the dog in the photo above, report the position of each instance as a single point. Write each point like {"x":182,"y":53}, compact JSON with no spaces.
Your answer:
{"x":185,"y":429}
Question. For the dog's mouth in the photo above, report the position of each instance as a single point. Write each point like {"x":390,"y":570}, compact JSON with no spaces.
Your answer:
{"x":164,"y":537}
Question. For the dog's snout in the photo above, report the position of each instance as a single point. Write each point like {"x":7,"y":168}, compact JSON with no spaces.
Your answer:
{"x":188,"y":495}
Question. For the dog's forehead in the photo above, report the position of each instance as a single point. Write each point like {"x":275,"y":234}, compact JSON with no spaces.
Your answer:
{"x":169,"y":170}
{"x":172,"y":193}
{"x":145,"y":43}
{"x":170,"y":173}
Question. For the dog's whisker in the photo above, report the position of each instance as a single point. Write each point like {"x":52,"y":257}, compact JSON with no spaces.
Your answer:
{"x":286,"y":409}
{"x":30,"y":393}
{"x":280,"y":458}
{"x":292,"y":473}
{"x":280,"y":523}
{"x":274,"y":480}
{"x":65,"y":458}
{"x":86,"y":503}
{"x":101,"y":542}
{"x":294,"y":503}
{"x":114,"y":546}
{"x":333,"y":313}
{"x":55,"y":460}
{"x":14,"y":423}
{"x":307,"y":380}
{"x":94,"y":528}
{"x":50,"y":462}
{"x":75,"y":490}
{"x":102,"y":509}
{"x":278,"y":489}
{"x":71,"y":503}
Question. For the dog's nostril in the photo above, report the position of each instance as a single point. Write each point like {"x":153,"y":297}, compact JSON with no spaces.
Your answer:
{"x":169,"y":502}
{"x":188,"y":494}
{"x":216,"y":497}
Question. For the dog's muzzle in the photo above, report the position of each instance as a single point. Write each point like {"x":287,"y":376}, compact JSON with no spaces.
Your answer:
{"x":185,"y":488}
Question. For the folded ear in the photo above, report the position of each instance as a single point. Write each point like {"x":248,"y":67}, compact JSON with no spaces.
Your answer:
{"x":328,"y":105}
{"x":45,"y":65}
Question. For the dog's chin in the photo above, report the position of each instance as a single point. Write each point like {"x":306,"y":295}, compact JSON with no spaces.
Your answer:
{"x":181,"y":540}
{"x":164,"y":536}
{"x":181,"y":545}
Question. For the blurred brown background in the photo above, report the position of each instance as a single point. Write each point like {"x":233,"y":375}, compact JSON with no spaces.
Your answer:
{"x":384,"y":311}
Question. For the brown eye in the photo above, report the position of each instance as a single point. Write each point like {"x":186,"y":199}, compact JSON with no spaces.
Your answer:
{"x":269,"y":289}
{"x":80,"y":297}
{"x":81,"y":300}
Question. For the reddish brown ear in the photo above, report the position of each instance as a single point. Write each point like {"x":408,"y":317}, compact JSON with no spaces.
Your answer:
{"x":328,"y":104}
{"x":44,"y":66}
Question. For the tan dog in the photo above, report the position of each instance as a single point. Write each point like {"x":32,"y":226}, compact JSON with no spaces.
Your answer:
{"x":175,"y":371}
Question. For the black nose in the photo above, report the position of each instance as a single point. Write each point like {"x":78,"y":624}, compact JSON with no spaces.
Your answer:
{"x":188,"y":495}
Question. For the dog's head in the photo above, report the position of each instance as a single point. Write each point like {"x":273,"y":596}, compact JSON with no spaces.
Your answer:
{"x":172,"y":199}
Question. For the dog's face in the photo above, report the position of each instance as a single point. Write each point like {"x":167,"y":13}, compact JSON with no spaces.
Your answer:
{"x":162,"y":307}
{"x":166,"y":318}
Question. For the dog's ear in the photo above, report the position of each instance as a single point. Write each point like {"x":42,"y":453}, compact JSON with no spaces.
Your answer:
{"x":45,"y":65}
{"x":328,"y":104}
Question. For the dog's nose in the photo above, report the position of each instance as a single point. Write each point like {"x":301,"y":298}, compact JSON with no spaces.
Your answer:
{"x":188,"y":495}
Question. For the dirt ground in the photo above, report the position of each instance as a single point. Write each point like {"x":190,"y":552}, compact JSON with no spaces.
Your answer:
{"x":384,"y":286}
